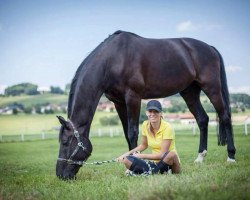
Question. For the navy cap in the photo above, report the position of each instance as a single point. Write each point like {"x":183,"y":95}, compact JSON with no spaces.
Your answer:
{"x":154,"y":105}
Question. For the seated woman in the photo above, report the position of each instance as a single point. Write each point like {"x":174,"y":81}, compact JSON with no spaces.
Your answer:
{"x":157,"y":134}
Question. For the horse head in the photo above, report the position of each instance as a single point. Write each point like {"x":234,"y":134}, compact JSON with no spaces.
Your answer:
{"x":74,"y":150}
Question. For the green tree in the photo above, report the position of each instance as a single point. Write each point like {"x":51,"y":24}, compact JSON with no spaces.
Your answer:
{"x":23,"y":88}
{"x":240,"y":98}
{"x":208,"y":107}
{"x":56,"y":90}
{"x":106,"y":121}
{"x":49,"y":111}
{"x":143,"y":115}
{"x":67,"y":88}
{"x":15,"y":111}
{"x":38,"y":109}
{"x":28,"y":110}
{"x":177,"y":106}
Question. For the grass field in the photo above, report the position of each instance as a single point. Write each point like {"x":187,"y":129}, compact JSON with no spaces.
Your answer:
{"x":31,"y":100}
{"x":27,"y":171}
{"x":33,"y":124}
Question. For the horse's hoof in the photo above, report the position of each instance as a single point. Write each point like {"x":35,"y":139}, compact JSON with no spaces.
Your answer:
{"x":230,"y":160}
{"x":198,"y":160}
{"x":204,"y":153}
{"x":200,"y":157}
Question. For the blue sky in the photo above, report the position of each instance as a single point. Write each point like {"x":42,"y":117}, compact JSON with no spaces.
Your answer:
{"x":44,"y":42}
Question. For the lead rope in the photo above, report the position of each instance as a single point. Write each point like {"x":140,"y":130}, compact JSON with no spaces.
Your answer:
{"x":101,"y":162}
{"x":80,"y":145}
{"x":130,"y":173}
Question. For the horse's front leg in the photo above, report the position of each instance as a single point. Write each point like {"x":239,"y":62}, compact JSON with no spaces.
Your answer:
{"x":133,"y":104}
{"x":122,"y":112}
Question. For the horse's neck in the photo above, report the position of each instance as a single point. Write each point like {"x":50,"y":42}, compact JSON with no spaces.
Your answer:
{"x":83,"y":110}
{"x":84,"y":103}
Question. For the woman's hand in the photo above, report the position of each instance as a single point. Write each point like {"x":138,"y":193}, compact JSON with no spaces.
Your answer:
{"x":121,"y":158}
{"x":137,"y":155}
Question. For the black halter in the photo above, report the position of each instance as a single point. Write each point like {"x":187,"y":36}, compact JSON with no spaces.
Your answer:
{"x":79,"y":145}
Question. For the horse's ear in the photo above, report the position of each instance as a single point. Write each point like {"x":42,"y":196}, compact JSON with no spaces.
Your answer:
{"x":63,"y":122}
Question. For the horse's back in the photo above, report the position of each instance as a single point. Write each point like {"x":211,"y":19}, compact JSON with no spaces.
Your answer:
{"x":205,"y":59}
{"x":159,"y":67}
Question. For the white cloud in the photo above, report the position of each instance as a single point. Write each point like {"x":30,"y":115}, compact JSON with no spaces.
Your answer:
{"x":185,"y":26}
{"x":233,"y":68}
{"x":242,"y":89}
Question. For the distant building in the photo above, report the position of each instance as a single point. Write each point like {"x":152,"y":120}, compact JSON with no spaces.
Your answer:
{"x":187,"y":118}
{"x":184,"y":118}
{"x":107,"y":106}
{"x":9,"y":110}
{"x":240,"y":119}
{"x":2,"y":88}
{"x":247,"y":120}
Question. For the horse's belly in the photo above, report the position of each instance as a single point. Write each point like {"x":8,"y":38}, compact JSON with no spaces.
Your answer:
{"x":149,"y":94}
{"x":165,"y":88}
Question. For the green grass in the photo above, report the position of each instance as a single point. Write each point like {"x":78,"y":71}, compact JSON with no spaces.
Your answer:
{"x":27,"y":171}
{"x":27,"y":124}
{"x":31,"y":100}
{"x":36,"y":124}
{"x":32,"y":124}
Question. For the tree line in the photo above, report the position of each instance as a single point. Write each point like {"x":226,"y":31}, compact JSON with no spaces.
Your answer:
{"x":32,"y":89}
{"x":239,"y":102}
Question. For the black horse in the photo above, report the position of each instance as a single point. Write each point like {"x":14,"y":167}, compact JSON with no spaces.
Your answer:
{"x":127,"y":68}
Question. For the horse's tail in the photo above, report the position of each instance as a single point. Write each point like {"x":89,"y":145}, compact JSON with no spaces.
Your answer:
{"x":222,"y":137}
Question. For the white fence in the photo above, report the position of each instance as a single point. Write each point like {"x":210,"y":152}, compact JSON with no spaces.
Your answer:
{"x":113,"y":132}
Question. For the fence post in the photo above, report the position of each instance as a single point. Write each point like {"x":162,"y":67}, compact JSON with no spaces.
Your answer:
{"x":111,"y":132}
{"x":43,"y":135}
{"x":246,"y":128}
{"x":1,"y":138}
{"x":22,"y":137}
{"x":99,"y":132}
{"x":194,"y":132}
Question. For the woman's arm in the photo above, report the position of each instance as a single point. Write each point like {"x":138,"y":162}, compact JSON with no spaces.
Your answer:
{"x":141,"y":147}
{"x":157,"y":156}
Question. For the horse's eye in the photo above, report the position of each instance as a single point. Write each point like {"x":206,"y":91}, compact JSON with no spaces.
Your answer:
{"x":64,"y":141}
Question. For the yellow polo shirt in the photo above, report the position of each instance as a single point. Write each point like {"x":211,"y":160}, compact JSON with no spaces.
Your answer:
{"x":165,"y":132}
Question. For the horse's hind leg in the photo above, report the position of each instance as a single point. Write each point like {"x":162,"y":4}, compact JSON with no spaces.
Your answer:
{"x":191,"y":95}
{"x":225,"y":124}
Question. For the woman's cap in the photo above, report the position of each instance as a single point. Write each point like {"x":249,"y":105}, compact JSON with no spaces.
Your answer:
{"x":154,"y":105}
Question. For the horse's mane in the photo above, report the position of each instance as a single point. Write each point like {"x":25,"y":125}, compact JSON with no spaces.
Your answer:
{"x":72,"y":88}
{"x":82,"y":68}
